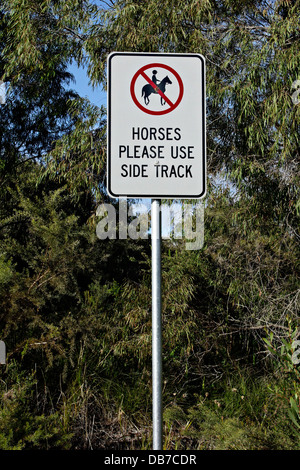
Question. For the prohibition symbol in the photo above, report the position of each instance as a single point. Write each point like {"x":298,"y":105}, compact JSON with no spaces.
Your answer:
{"x":142,"y":96}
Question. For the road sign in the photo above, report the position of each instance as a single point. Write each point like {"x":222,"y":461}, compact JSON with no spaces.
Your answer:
{"x":156,"y":125}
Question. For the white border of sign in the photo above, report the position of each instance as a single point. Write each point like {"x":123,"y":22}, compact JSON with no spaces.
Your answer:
{"x":202,"y":106}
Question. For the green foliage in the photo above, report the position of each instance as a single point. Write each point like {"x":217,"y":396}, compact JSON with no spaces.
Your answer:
{"x":237,"y":414}
{"x":21,"y":424}
{"x":45,"y":249}
{"x":75,"y":311}
{"x":288,"y":372}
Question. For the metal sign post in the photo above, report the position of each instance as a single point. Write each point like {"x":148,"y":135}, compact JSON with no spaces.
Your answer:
{"x":156,"y":148}
{"x":2,"y":353}
{"x":2,"y":92}
{"x":156,"y":325}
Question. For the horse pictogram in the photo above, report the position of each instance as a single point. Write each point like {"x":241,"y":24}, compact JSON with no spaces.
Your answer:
{"x":148,"y":89}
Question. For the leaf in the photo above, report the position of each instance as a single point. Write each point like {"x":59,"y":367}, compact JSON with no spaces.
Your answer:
{"x":294,"y":406}
{"x":293,"y":419}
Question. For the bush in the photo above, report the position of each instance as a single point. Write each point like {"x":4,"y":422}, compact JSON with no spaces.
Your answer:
{"x":22,"y":424}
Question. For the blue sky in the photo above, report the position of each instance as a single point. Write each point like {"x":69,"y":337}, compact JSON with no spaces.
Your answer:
{"x":81,"y":84}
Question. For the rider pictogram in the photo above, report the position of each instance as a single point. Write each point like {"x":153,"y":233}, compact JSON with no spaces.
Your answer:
{"x":156,"y":85}
{"x":154,"y":78}
{"x":155,"y":88}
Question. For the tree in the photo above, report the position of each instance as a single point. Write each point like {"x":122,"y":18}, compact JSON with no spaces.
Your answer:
{"x":83,"y":306}
{"x":38,"y":42}
{"x":252,"y":60}
{"x":251,"y":50}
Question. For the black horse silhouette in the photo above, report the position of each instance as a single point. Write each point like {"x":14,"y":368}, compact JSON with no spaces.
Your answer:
{"x":148,"y":89}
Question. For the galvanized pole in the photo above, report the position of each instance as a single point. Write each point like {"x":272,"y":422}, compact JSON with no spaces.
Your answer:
{"x":2,"y":352}
{"x":156,"y":325}
{"x":2,"y":92}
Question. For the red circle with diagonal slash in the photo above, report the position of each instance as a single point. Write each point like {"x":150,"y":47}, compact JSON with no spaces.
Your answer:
{"x":172,"y":106}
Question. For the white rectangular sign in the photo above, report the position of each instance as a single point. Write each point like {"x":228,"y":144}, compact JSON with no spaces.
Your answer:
{"x":156,"y":126}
